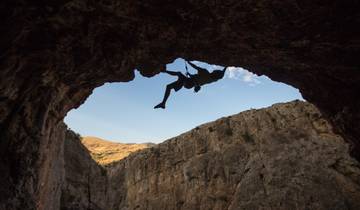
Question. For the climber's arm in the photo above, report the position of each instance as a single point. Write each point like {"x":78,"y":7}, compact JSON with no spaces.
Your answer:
{"x":173,"y":73}
{"x":199,"y":69}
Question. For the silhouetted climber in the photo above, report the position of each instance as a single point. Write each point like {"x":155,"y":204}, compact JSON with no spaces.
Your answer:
{"x":190,"y":81}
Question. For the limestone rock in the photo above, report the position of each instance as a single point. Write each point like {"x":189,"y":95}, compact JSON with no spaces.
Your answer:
{"x":282,"y":157}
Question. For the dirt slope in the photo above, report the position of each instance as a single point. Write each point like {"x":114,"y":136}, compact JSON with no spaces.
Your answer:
{"x":105,"y":152}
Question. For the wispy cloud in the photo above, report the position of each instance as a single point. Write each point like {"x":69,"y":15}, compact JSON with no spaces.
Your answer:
{"x":243,"y":75}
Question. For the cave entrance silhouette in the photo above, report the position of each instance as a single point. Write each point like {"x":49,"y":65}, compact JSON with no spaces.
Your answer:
{"x":133,"y":120}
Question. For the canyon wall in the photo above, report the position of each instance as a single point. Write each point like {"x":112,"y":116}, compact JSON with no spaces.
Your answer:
{"x":282,"y":157}
{"x":54,"y":53}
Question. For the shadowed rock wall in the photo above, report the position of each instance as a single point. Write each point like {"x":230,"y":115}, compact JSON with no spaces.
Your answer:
{"x":85,"y":182}
{"x":54,"y":53}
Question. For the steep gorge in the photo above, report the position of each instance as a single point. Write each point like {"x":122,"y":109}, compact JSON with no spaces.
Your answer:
{"x":54,"y":53}
{"x":282,"y":157}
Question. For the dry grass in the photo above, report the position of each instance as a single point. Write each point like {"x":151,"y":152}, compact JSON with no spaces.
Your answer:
{"x":105,"y":152}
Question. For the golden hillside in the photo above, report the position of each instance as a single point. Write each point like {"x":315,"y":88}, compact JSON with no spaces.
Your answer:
{"x":105,"y":152}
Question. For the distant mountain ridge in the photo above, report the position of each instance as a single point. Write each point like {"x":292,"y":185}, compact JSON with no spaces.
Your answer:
{"x":106,"y":152}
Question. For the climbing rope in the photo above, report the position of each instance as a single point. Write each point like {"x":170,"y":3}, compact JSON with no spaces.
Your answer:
{"x":186,"y":69}
{"x":186,"y":47}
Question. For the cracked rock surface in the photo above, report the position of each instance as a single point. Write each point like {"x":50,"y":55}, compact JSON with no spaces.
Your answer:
{"x":282,"y":157}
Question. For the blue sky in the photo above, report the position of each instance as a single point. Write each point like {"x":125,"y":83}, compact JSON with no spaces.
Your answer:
{"x":123,"y":112}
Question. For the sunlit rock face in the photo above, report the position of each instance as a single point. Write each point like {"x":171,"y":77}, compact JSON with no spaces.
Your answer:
{"x":54,"y":53}
{"x":282,"y":157}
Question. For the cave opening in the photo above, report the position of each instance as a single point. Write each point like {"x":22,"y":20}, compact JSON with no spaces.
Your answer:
{"x":55,"y":54}
{"x":123,"y":112}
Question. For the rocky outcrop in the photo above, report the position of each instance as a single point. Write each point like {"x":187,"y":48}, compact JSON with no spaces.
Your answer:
{"x":282,"y":157}
{"x":54,"y":53}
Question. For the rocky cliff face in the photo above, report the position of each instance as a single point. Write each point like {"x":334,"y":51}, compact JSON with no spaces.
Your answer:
{"x":54,"y":53}
{"x":282,"y":157}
